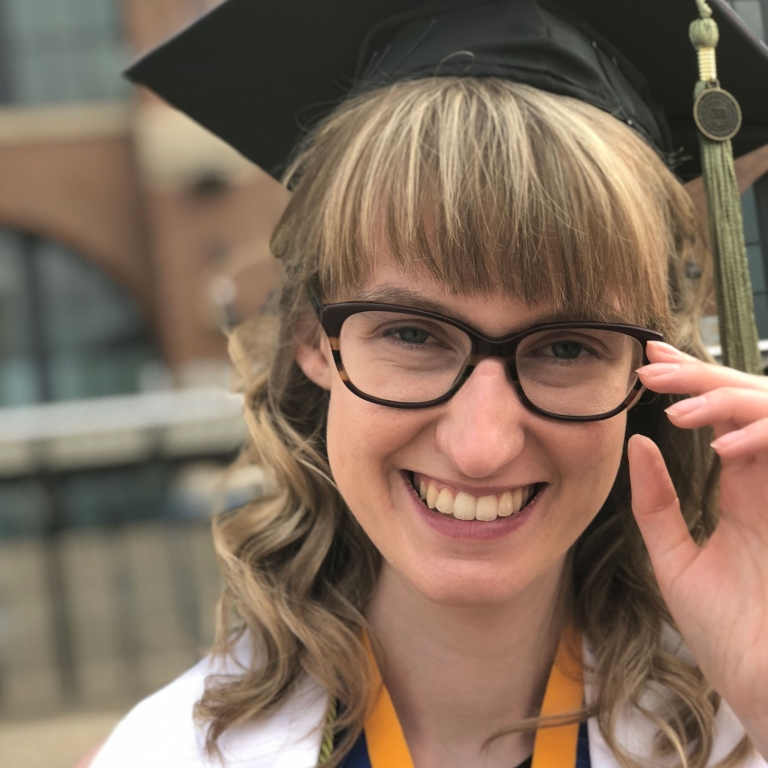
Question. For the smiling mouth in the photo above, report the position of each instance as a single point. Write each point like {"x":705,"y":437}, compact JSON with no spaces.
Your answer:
{"x":464,"y":506}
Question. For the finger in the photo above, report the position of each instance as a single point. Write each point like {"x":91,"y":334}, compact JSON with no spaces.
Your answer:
{"x":661,"y":352}
{"x":743,"y":443}
{"x":657,"y":512}
{"x":695,"y":377}
{"x":733,"y":405}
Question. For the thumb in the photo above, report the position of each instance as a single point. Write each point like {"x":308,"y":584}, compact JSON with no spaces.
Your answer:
{"x":657,"y":512}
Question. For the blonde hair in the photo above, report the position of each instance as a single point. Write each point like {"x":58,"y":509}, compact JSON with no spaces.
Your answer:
{"x":482,"y":184}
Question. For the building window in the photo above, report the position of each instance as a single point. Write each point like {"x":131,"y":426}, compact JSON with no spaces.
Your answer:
{"x":70,"y":50}
{"x":756,"y":241}
{"x":66,"y":330}
{"x":752,"y":11}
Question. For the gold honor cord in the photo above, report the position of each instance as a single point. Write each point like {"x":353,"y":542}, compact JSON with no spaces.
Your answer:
{"x":718,"y":117}
{"x":555,"y":745}
{"x":383,"y":734}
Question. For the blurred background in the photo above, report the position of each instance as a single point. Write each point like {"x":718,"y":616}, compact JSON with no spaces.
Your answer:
{"x":130,"y":242}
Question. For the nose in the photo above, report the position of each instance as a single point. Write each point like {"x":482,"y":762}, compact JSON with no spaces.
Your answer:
{"x":482,"y":428}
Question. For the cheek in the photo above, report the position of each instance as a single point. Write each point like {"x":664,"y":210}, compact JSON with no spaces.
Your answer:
{"x":583,"y":461}
{"x":352,"y":437}
{"x":609,"y":441}
{"x":362,"y":441}
{"x":589,"y":463}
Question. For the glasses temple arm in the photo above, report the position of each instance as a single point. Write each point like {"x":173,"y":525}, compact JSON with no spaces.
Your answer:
{"x":313,"y":291}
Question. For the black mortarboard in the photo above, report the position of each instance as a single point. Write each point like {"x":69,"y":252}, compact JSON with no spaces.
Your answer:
{"x":258,"y":72}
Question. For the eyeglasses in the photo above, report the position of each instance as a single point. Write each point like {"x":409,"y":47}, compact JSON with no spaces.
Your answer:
{"x":403,"y":357}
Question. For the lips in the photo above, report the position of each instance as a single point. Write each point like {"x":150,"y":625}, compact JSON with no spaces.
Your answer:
{"x":462,"y":505}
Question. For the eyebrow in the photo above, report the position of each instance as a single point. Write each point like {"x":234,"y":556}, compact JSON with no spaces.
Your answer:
{"x":392,"y":294}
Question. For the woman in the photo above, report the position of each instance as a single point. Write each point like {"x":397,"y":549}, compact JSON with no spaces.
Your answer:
{"x":473,"y":480}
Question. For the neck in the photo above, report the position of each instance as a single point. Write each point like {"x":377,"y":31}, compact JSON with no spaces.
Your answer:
{"x":457,"y":676}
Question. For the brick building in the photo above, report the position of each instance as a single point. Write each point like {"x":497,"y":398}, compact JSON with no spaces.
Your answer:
{"x":96,"y":178}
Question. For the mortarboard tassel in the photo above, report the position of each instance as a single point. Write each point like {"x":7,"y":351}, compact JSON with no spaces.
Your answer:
{"x":327,"y":743}
{"x":718,"y":118}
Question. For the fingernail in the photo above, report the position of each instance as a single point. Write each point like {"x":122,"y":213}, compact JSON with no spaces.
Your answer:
{"x":687,"y":406}
{"x":667,"y":349}
{"x":659,"y":369}
{"x":731,"y":438}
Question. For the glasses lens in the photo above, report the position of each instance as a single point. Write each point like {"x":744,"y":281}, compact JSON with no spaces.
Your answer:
{"x":578,"y":371}
{"x":400,"y":357}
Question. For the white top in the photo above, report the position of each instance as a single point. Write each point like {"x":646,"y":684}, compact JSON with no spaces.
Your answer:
{"x":160,"y":731}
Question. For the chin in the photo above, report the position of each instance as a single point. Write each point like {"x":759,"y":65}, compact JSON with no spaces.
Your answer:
{"x":468,"y":590}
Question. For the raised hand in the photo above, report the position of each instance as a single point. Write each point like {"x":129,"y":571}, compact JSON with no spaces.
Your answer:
{"x":717,"y":594}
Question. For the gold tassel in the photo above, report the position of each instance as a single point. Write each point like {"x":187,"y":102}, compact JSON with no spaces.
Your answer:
{"x":718,"y":117}
{"x":326,"y":746}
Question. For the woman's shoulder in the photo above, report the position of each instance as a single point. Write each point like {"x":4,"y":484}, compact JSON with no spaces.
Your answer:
{"x":636,"y":733}
{"x":160,"y":732}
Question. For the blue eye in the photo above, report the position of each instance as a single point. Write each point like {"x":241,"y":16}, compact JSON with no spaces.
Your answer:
{"x":410,"y":335}
{"x":566,"y":350}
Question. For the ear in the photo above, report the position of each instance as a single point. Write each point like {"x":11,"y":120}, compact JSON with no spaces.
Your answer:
{"x":313,"y":359}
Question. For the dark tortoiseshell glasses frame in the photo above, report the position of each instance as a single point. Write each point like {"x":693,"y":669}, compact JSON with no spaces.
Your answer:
{"x":333,"y":316}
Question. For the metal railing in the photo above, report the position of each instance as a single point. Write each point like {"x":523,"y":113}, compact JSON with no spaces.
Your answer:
{"x":99,"y":613}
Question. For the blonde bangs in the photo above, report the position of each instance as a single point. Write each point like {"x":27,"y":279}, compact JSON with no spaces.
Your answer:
{"x":484,"y":185}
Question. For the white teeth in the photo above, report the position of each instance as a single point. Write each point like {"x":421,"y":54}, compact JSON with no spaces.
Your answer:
{"x":487,"y":508}
{"x":507,"y":504}
{"x":464,"y":506}
{"x":444,"y":502}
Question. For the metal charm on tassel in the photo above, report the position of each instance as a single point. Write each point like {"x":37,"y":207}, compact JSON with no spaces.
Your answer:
{"x":718,"y":116}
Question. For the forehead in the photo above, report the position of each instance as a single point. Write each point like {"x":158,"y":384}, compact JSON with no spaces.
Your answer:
{"x":495,"y":312}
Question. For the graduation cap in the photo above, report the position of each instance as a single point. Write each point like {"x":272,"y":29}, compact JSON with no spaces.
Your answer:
{"x":258,"y":73}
